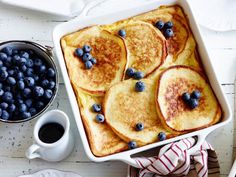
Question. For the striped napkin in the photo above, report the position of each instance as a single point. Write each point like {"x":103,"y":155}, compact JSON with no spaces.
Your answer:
{"x":174,"y":160}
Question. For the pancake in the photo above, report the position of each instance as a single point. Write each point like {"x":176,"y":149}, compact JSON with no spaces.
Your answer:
{"x":103,"y":141}
{"x":124,"y":108}
{"x":111,"y":55}
{"x":174,"y":112}
{"x":146,"y":45}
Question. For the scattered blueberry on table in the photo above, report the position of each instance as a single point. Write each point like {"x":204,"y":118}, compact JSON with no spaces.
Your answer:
{"x":27,"y":83}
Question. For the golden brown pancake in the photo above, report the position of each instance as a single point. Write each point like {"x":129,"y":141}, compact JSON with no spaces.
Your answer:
{"x":103,"y":141}
{"x":176,"y":113}
{"x":124,"y":108}
{"x":110,"y":52}
{"x":145,"y":44}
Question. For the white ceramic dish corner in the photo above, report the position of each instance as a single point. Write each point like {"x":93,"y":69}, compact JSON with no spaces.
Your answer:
{"x":84,"y":21}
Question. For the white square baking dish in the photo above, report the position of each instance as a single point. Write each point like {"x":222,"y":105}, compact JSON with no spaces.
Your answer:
{"x":83,"y":21}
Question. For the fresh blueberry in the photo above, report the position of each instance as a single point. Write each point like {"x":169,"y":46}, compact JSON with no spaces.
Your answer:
{"x":3,"y":56}
{"x":130,"y":72}
{"x":44,"y":83}
{"x":51,"y":84}
{"x":186,"y":97}
{"x":86,"y":57}
{"x":27,"y":92}
{"x":16,"y":59}
{"x":4,"y":68}
{"x":7,"y":50}
{"x":38,"y":62}
{"x":25,"y":115}
{"x":23,"y":68}
{"x":29,"y":81}
{"x":36,"y":77}
{"x":41,"y":69}
{"x":139,"y":126}
{"x":30,"y":63}
{"x":30,"y":72}
{"x":138,"y":75}
{"x":3,"y":105}
{"x":161,"y":136}
{"x":29,"y":102}
{"x":51,"y":72}
{"x":38,"y":91}
{"x":21,"y":84}
{"x":196,"y":94}
{"x":159,"y":24}
{"x":168,"y":24}
{"x":11,"y":80}
{"x":100,"y":118}
{"x":23,"y":61}
{"x":20,"y":101}
{"x":14,"y":51}
{"x":96,"y":107}
{"x":11,"y":72}
{"x":79,"y":52}
{"x":7,"y":96}
{"x":87,"y":48}
{"x":193,"y":103}
{"x":48,"y":94}
{"x":132,"y":145}
{"x":39,"y":105}
{"x":168,"y":33}
{"x":139,"y":86}
{"x":11,"y":108}
{"x":88,"y":65}
{"x":3,"y":75}
{"x":0,"y":112}
{"x":33,"y":111}
{"x":24,"y":54}
{"x":1,"y":63}
{"x":5,"y":115}
{"x":122,"y":33}
{"x":7,"y":89}
{"x":8,"y":62}
{"x":1,"y":92}
{"x":19,"y":75}
{"x":93,"y":60}
{"x":22,"y":107}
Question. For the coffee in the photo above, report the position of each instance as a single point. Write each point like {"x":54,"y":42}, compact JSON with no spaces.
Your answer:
{"x":51,"y":132}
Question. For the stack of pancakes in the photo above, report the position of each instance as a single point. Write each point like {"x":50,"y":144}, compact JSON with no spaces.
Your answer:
{"x":171,"y":67}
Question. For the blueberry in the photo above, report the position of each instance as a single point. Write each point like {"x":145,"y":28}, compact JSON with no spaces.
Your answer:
{"x":7,"y":96}
{"x":0,"y":112}
{"x":168,"y":24}
{"x":88,"y":65}
{"x":130,"y":72}
{"x":96,"y":107}
{"x":5,"y":115}
{"x":38,"y":62}
{"x":196,"y":94}
{"x":29,"y":102}
{"x":7,"y":89}
{"x":14,"y":51}
{"x":161,"y":136}
{"x":38,"y":91}
{"x":186,"y":96}
{"x":39,"y":105}
{"x":11,"y":72}
{"x":168,"y":33}
{"x":159,"y":24}
{"x":4,"y":68}
{"x":32,"y":111}
{"x":30,"y":63}
{"x":139,"y":86}
{"x":11,"y":108}
{"x":8,"y":62}
{"x":11,"y":80}
{"x":193,"y":103}
{"x":3,"y":56}
{"x":3,"y":105}
{"x":1,"y":63}
{"x":22,"y":107}
{"x":138,"y":75}
{"x":27,"y":92}
{"x":48,"y":94}
{"x":139,"y":126}
{"x":122,"y":33}
{"x":79,"y":52}
{"x":1,"y":92}
{"x":132,"y":145}
{"x":19,"y":75}
{"x":23,"y":61}
{"x":93,"y":60}
{"x":7,"y":50}
{"x":87,"y":48}
{"x":23,"y":68}
{"x":51,"y":72}
{"x":26,"y":115}
{"x":41,"y":69}
{"x":36,"y":77}
{"x":100,"y":118}
{"x":29,"y":81}
{"x":44,"y":83}
{"x":16,"y":59}
{"x":30,"y":72}
{"x":24,"y":54}
{"x":3,"y":75}
{"x":86,"y":57}
{"x":21,"y":85}
{"x":51,"y":84}
{"x":20,"y":101}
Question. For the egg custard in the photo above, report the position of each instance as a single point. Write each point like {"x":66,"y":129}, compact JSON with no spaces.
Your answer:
{"x":156,"y":49}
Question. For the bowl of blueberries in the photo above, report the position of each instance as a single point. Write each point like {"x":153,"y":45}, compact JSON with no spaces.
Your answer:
{"x":28,"y":80}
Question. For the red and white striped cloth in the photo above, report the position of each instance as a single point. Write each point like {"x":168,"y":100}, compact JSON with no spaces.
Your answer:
{"x":174,"y":160}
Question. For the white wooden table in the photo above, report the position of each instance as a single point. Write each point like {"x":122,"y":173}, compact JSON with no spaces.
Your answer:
{"x":16,"y":23}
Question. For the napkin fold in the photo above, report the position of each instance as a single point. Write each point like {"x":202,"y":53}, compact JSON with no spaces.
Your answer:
{"x":175,"y":160}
